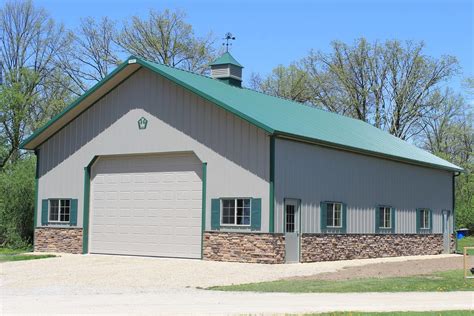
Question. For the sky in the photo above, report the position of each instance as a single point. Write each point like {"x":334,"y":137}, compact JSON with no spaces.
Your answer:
{"x":269,"y":33}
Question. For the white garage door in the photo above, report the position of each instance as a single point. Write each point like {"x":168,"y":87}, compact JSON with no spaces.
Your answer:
{"x":146,"y":205}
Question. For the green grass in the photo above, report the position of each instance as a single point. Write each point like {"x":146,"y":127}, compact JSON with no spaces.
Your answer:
{"x":438,"y":282}
{"x":466,"y":242}
{"x":443,"y":313}
{"x":7,"y":254}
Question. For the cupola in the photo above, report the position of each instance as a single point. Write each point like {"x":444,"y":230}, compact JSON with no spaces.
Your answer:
{"x":227,"y":69}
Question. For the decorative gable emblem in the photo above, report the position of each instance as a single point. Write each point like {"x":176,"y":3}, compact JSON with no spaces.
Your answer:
{"x":142,"y":123}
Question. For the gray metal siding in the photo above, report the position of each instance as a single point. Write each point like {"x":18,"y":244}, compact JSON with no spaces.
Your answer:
{"x":314,"y":173}
{"x":237,"y":152}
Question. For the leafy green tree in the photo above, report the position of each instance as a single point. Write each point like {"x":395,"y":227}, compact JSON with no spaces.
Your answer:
{"x":17,"y":191}
{"x":286,"y":82}
{"x":166,"y":38}
{"x":32,"y":83}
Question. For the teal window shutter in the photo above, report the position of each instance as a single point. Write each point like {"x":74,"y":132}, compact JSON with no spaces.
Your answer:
{"x":323,"y":209}
{"x":256,"y":214}
{"x":215,"y":214}
{"x":73,"y":214}
{"x":44,"y":212}
{"x":418,"y":220}
{"x":392,"y":219}
{"x":377,"y":219}
{"x":344,"y":218}
{"x":431,"y":221}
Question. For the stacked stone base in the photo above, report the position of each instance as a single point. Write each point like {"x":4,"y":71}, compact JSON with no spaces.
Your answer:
{"x":58,"y":239}
{"x":244,"y":247}
{"x":327,"y":247}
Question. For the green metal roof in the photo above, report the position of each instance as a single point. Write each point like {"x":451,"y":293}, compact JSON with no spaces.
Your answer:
{"x":295,"y":120}
{"x":225,"y":59}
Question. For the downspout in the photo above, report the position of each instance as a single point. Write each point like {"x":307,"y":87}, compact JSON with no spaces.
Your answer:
{"x":455,"y":174}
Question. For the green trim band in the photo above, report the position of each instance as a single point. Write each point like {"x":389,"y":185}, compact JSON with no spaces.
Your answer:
{"x":86,"y":201}
{"x":203,"y":215}
{"x":271,"y":219}
{"x":35,"y":215}
{"x":75,"y":103}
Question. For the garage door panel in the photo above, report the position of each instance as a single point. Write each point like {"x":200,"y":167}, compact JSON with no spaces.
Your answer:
{"x":147,"y":205}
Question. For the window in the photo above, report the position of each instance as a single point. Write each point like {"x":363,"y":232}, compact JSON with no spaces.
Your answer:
{"x":59,"y":210}
{"x":236,"y":212}
{"x":425,"y":218}
{"x":385,"y":217}
{"x":290,"y":218}
{"x":334,"y":215}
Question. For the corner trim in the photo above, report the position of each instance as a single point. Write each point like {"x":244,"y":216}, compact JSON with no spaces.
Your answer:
{"x":271,"y":219}
{"x":86,"y":206}
{"x":35,"y":215}
{"x":203,"y":215}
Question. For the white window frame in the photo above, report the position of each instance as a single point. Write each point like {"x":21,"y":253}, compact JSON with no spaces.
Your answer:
{"x":235,"y":212}
{"x":424,"y":211}
{"x":333,"y":212}
{"x":383,"y":209}
{"x":59,"y":221}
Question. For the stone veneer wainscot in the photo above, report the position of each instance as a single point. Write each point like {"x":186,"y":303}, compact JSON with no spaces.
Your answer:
{"x":329,"y":247}
{"x":244,"y":247}
{"x":58,"y":239}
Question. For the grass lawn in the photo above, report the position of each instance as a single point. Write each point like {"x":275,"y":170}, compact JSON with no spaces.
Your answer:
{"x":443,"y":313}
{"x":7,"y":254}
{"x":466,"y":242}
{"x":438,"y":282}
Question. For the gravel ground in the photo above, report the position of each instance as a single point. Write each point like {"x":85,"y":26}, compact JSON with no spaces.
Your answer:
{"x":121,"y":274}
{"x":391,"y":269}
{"x":118,"y":285}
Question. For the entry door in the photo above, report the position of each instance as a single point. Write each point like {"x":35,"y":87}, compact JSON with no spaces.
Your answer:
{"x":446,"y":232}
{"x":292,"y":231}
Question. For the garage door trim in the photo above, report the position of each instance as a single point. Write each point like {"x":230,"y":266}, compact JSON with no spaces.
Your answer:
{"x":87,"y":193}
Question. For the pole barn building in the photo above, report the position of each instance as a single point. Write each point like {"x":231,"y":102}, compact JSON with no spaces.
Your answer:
{"x":157,"y":161}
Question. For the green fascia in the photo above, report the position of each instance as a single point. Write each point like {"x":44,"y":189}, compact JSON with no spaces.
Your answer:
{"x":86,"y":206}
{"x":271,"y":219}
{"x":209,"y":98}
{"x":147,"y":65}
{"x":226,"y":59}
{"x":35,"y":216}
{"x":76,"y":102}
{"x":363,"y":151}
{"x":203,"y":215}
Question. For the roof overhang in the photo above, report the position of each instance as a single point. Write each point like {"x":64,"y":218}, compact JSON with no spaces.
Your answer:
{"x":82,"y":103}
{"x":133,"y":64}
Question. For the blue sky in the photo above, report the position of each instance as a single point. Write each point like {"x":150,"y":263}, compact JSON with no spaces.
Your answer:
{"x":278,"y":32}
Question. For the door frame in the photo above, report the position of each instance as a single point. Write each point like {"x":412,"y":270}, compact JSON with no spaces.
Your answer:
{"x":446,"y":232}
{"x":296,"y":202}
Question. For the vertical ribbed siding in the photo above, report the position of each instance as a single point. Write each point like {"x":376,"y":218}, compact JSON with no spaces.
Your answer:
{"x":314,"y":174}
{"x":237,"y":152}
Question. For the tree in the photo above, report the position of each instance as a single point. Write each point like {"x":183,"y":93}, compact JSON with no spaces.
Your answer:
{"x":390,"y":85}
{"x":166,"y":38}
{"x":285,"y":82}
{"x":92,"y":54}
{"x":31,"y":42}
{"x":17,"y":191}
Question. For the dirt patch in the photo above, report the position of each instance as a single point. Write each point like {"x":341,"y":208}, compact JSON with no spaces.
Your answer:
{"x":390,"y":269}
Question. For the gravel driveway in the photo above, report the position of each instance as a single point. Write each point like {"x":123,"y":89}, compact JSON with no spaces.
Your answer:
{"x":112,"y":274}
{"x":138,"y":285}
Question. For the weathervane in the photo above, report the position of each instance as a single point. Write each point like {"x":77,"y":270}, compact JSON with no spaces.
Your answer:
{"x":228,"y":37}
